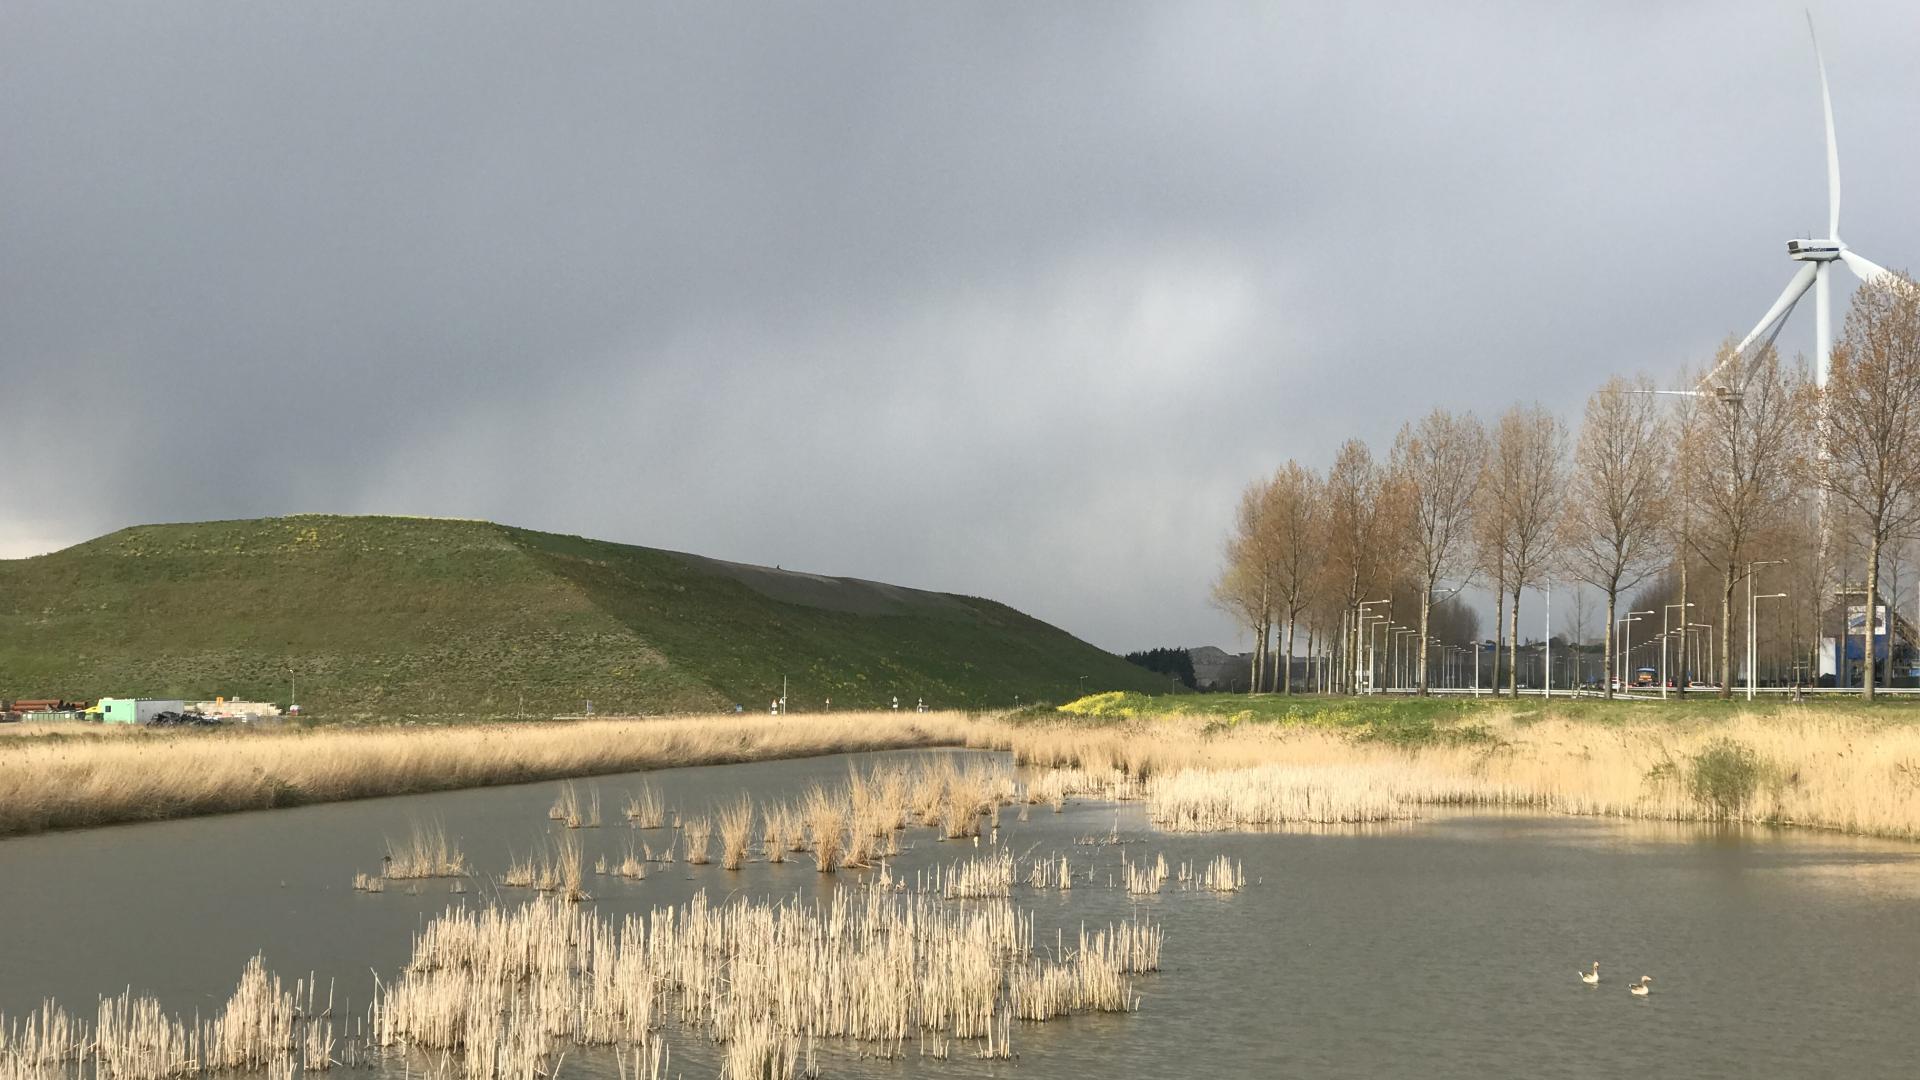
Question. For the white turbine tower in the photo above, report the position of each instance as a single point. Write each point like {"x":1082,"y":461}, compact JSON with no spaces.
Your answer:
{"x":1815,"y":256}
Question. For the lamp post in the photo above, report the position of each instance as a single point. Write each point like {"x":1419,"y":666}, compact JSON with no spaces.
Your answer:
{"x":1400,"y":651}
{"x":1706,"y":630}
{"x":1359,"y":639}
{"x":1753,"y":635}
{"x":1546,"y":656}
{"x":1626,"y":653}
{"x":1663,"y":642}
{"x":1752,"y":658}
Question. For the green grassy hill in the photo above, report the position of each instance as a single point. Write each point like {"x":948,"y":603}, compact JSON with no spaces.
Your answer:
{"x":395,"y":617}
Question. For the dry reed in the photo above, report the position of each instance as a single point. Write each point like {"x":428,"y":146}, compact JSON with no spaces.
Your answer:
{"x":156,"y":774}
{"x":263,"y":1026}
{"x":826,"y":821}
{"x":506,"y":990}
{"x":644,"y":809}
{"x":736,"y":828}
{"x":1805,"y":768}
{"x":695,"y":833}
{"x":428,"y":853}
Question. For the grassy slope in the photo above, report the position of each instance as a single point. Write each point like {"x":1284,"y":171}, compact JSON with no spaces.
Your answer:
{"x":396,"y":616}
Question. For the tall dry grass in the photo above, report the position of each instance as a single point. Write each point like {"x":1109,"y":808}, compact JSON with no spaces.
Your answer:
{"x":501,"y":992}
{"x":736,"y":828}
{"x":48,"y":783}
{"x":1852,"y":773}
{"x":428,"y":853}
{"x":263,"y":1026}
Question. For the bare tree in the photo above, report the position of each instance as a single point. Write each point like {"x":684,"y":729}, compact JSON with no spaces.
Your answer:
{"x":1362,"y":540}
{"x":1245,"y":588}
{"x":1296,"y":519}
{"x":1738,"y":455}
{"x":1870,"y":420}
{"x":1436,"y":467}
{"x":1525,"y":467}
{"x":1611,"y":532}
{"x":1490,"y":555}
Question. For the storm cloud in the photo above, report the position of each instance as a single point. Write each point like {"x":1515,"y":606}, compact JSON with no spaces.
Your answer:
{"x":1005,"y":299}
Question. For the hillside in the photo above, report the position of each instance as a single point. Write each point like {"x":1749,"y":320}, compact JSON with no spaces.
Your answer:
{"x":384,"y":616}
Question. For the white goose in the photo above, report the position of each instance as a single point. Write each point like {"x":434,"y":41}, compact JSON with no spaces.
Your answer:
{"x":1640,"y":989}
{"x":1591,"y":978}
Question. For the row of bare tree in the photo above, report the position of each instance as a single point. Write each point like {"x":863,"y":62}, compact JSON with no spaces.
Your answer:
{"x":1763,"y":466}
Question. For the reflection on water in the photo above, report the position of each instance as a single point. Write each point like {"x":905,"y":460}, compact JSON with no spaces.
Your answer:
{"x":1445,"y":947}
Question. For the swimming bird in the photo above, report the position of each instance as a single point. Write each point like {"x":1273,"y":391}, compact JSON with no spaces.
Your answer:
{"x":1640,"y":988}
{"x":1591,"y":978}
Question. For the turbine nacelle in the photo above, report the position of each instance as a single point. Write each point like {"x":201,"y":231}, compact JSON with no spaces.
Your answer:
{"x":1815,"y":250}
{"x":1816,"y":258}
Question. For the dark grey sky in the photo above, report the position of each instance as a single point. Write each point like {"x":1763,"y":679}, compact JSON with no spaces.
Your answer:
{"x":1008,"y":299}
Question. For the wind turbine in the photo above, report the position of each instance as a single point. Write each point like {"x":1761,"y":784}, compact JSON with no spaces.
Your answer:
{"x":1816,"y":258}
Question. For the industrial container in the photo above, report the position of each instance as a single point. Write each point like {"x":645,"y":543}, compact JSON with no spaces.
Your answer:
{"x":136,"y":710}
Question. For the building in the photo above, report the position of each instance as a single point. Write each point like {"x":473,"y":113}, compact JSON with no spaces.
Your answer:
{"x":222,"y":709}
{"x":136,"y":710}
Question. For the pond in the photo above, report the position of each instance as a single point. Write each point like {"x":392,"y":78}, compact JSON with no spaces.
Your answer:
{"x":1440,"y":948}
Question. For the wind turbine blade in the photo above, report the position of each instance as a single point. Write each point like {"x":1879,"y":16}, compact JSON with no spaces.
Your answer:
{"x":1802,"y":281}
{"x":1768,"y":325}
{"x":1833,"y":148}
{"x":1863,"y":268}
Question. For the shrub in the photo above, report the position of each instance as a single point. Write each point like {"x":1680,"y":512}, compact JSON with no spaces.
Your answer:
{"x":1724,"y":776}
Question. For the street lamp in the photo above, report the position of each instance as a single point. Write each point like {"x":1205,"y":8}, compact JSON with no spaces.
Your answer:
{"x":1706,"y":650}
{"x":1359,"y":639}
{"x":1626,"y":655}
{"x":1753,"y":636}
{"x":1402,"y":660}
{"x":1663,"y":642}
{"x":1752,"y":659}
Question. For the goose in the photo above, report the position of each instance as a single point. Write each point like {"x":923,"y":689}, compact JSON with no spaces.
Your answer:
{"x":1640,"y":988}
{"x":1591,"y":978}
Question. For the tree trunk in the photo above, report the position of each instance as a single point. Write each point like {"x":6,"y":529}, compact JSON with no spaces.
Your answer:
{"x":1313,"y":663}
{"x":1286,"y":673}
{"x":1606,"y":674}
{"x":1727,"y":581}
{"x":1686,"y":635}
{"x":1872,"y":663}
{"x":1513,"y":646}
{"x":1261,"y":660}
{"x":1499,"y":627}
{"x":1426,"y":607}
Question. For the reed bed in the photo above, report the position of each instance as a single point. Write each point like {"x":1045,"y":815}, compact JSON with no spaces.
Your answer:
{"x":507,"y":990}
{"x":557,"y":869}
{"x":1050,"y":873}
{"x":980,"y":878}
{"x":574,"y":813}
{"x":644,"y":809}
{"x":1796,"y":767}
{"x":632,"y":867}
{"x":783,"y":833}
{"x":427,"y":853}
{"x":736,"y":829}
{"x":263,"y":1026}
{"x":1142,"y":878}
{"x":826,"y":822}
{"x":695,"y":835}
{"x":156,"y":774}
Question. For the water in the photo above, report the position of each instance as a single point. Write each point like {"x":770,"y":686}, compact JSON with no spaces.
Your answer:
{"x":1443,"y":949}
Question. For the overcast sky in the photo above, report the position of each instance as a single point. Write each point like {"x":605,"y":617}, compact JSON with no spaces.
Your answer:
{"x":1004,"y":299}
